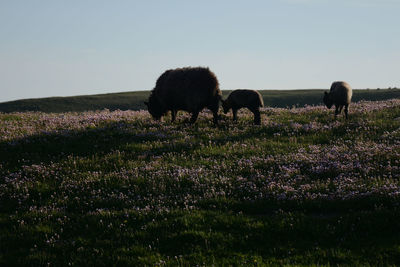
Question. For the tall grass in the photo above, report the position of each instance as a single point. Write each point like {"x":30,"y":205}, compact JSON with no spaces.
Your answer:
{"x":117,"y":188}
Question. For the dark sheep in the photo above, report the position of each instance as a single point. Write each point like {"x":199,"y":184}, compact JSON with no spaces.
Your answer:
{"x":188,"y":89}
{"x":238,"y":99}
{"x":340,"y":96}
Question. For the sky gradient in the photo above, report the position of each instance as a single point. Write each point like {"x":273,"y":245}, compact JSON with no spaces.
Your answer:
{"x":62,"y":48}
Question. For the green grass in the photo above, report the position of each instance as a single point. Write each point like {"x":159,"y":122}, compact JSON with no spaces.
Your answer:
{"x":134,"y":100}
{"x":117,"y":188}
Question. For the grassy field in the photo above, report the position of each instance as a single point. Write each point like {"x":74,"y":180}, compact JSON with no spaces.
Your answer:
{"x":134,"y":100}
{"x":117,"y":188}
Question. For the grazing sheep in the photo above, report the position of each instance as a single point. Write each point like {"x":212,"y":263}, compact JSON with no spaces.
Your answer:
{"x":339,"y":95}
{"x":238,"y":99}
{"x":189,"y":89}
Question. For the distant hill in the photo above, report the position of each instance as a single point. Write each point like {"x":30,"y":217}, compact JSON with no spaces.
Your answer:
{"x":134,"y":100}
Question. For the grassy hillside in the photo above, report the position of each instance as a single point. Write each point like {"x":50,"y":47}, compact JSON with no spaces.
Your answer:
{"x":122,"y":101}
{"x":117,"y":188}
{"x":134,"y":100}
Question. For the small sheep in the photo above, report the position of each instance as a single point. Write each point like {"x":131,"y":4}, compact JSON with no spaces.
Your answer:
{"x":238,"y":99}
{"x":339,"y":95}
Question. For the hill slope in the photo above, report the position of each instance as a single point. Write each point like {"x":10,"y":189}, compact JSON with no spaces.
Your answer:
{"x":134,"y":100}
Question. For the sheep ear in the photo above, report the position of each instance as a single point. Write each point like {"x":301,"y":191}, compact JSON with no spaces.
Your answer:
{"x":146,"y":103}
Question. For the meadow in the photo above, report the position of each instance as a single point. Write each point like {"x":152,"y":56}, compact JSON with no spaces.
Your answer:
{"x":117,"y":188}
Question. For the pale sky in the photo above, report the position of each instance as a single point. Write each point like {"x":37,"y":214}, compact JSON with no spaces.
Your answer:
{"x":62,"y":48}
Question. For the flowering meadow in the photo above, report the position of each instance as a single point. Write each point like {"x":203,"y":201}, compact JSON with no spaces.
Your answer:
{"x":118,"y":188}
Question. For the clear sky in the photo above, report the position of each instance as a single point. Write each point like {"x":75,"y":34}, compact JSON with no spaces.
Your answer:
{"x":75,"y":47}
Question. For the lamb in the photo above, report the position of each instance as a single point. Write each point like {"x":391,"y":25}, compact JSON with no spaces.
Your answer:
{"x":339,"y":95}
{"x":188,"y":89}
{"x":238,"y":99}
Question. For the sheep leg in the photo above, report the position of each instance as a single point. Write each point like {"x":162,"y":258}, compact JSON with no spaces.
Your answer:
{"x":234,"y":112}
{"x":193,"y":119}
{"x":173,"y":115}
{"x":214,"y":108}
{"x":346,"y":111}
{"x":257,"y":116}
{"x":336,"y":110}
{"x":215,"y":116}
